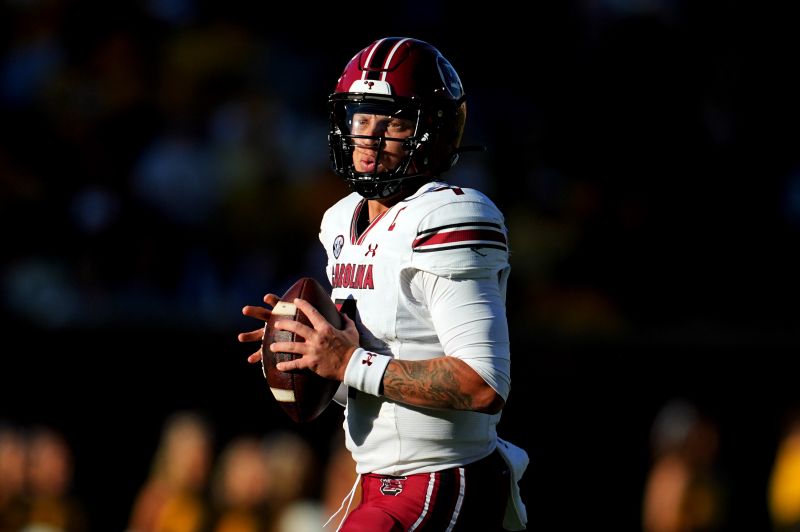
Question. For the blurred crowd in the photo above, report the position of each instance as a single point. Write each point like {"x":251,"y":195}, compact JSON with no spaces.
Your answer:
{"x":274,"y":482}
{"x":36,"y":469}
{"x":278,"y":482}
{"x":167,"y":159}
{"x":152,"y":160}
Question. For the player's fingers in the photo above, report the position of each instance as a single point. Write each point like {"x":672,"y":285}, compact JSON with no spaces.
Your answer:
{"x":288,"y":347}
{"x":290,"y":365}
{"x":259,"y":313}
{"x":294,"y":326}
{"x":313,"y":315}
{"x":252,"y":336}
{"x":255,"y":357}
{"x":271,"y":299}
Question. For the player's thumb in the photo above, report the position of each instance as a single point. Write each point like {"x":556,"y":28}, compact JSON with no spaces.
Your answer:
{"x":349,"y":325}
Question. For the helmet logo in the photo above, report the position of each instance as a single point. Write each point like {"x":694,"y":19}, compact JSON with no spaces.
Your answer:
{"x":374,"y":86}
{"x":450,"y":78}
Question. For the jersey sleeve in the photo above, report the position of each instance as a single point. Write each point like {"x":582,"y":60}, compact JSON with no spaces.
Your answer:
{"x":470,"y":320}
{"x":461,"y":240}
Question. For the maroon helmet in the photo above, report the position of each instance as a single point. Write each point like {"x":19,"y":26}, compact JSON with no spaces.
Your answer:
{"x":404,"y":78}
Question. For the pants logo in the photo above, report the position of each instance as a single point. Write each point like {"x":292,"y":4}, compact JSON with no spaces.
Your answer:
{"x":392,"y":485}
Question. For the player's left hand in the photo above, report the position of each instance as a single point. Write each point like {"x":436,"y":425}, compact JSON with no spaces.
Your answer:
{"x":261,"y":314}
{"x":326,"y":350}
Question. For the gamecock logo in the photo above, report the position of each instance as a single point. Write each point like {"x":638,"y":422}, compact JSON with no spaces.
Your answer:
{"x":392,"y":486}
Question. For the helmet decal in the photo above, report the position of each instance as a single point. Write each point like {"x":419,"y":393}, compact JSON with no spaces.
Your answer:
{"x":449,"y":77}
{"x":368,"y":85}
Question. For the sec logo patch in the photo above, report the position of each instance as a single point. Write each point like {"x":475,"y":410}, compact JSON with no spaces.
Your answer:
{"x":338,"y":244}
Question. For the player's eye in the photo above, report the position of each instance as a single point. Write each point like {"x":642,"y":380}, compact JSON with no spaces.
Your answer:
{"x":398,"y":125}
{"x":360,"y":122}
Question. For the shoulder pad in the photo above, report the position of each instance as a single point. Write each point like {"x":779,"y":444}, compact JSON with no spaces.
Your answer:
{"x":337,"y":214}
{"x":462,"y":238}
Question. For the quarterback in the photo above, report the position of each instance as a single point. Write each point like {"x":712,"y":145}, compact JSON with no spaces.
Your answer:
{"x":419,"y":268}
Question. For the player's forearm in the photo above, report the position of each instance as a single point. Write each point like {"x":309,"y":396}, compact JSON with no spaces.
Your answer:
{"x":445,"y":382}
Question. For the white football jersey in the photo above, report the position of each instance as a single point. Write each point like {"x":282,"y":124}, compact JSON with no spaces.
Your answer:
{"x":425,"y":279}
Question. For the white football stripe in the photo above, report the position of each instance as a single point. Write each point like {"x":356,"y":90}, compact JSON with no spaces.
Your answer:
{"x":284,"y":309}
{"x":283,"y":396}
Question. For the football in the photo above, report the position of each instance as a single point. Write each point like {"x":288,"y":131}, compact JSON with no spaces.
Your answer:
{"x":302,"y":394}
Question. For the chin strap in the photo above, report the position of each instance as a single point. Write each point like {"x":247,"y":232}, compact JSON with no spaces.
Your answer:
{"x":349,"y":498}
{"x":394,"y":186}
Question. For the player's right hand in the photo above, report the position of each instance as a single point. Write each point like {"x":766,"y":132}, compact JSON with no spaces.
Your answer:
{"x":261,"y":314}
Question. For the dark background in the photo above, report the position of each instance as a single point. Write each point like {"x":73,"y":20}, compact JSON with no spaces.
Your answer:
{"x":163,"y":164}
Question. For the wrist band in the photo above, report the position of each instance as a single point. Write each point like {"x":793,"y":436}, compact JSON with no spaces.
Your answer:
{"x":365,"y":371}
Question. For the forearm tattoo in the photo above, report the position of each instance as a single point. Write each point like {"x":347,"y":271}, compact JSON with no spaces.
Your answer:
{"x":434,"y":383}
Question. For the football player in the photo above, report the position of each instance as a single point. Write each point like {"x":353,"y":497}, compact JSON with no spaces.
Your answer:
{"x":420,"y":266}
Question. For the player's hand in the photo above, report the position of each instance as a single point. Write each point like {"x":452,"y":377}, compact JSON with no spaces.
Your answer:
{"x":326,"y":350}
{"x":261,"y":314}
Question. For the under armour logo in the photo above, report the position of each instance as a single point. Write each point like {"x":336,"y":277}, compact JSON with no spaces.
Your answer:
{"x":371,"y":249}
{"x":368,"y":360}
{"x":369,"y":83}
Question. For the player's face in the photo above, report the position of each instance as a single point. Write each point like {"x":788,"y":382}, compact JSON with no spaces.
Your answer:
{"x":391,"y":130}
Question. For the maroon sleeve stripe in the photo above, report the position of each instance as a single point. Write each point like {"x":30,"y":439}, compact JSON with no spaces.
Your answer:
{"x":462,"y":224}
{"x":465,"y":235}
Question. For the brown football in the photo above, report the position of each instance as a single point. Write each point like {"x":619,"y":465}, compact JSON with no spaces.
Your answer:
{"x":302,"y":394}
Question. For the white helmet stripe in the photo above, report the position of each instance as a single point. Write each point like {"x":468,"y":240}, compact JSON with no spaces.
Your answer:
{"x":369,"y":58}
{"x":389,"y":58}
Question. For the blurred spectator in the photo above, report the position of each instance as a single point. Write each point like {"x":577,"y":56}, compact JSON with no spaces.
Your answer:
{"x":13,"y":510}
{"x":784,"y":482}
{"x":49,"y":475}
{"x":683,"y":492}
{"x":172,"y":498}
{"x":291,"y":462}
{"x":265,"y":486}
{"x":239,"y":491}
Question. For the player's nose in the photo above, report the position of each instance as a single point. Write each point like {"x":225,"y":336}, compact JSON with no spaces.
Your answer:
{"x":373,"y":139}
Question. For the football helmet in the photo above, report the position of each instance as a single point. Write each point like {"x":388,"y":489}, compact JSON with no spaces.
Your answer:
{"x":404,"y":79}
